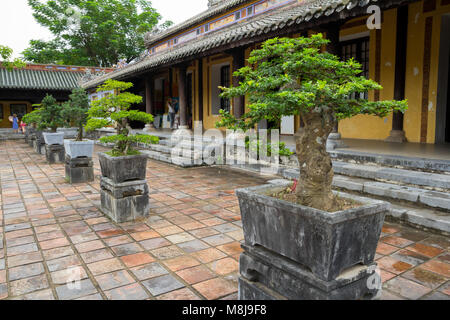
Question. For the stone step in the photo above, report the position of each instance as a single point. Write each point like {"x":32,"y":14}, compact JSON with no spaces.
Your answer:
{"x":439,"y":165}
{"x":425,"y":197}
{"x":427,"y":218}
{"x":374,"y":172}
{"x":167,"y":158}
{"x":390,"y":191}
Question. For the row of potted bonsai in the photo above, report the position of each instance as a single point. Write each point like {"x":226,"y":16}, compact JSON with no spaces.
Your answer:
{"x":302,"y":241}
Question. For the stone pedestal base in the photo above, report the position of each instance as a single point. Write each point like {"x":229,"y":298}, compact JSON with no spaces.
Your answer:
{"x":335,"y":141}
{"x":126,"y":201}
{"x":396,"y":136}
{"x":265,"y":275}
{"x":38,"y":146}
{"x":79,"y":170}
{"x":31,"y":139}
{"x":55,"y":153}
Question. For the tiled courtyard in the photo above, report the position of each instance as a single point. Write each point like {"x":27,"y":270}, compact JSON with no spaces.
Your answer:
{"x":51,"y":232}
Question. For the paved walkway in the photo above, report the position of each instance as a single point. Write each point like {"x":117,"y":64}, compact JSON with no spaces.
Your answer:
{"x":51,"y":232}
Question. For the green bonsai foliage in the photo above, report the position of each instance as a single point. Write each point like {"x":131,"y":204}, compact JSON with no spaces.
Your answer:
{"x":255,"y":145}
{"x":50,"y":114}
{"x":75,"y":110}
{"x":32,"y":118}
{"x":114,"y":109}
{"x":295,"y":77}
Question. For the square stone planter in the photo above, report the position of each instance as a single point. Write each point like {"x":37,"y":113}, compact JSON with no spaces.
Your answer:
{"x":79,"y":149}
{"x":53,"y":138}
{"x":122,"y":169}
{"x":123,"y":187}
{"x":324,"y":243}
{"x":69,"y":133}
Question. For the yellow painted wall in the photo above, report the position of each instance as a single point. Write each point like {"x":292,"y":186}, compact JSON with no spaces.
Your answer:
{"x":5,"y":123}
{"x":365,"y":126}
{"x":209,"y":120}
{"x":371,"y":127}
{"x":368,"y":127}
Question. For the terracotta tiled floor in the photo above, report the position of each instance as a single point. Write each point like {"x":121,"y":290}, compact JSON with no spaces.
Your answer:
{"x":51,"y":232}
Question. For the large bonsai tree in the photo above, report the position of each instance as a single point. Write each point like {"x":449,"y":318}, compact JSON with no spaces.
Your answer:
{"x":114,"y":109}
{"x":296,"y":77}
{"x":75,"y":110}
{"x":50,"y":114}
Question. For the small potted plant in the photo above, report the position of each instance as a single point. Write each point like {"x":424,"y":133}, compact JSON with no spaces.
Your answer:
{"x":50,"y":118}
{"x":123,"y":163}
{"x":75,"y":112}
{"x":308,"y":223}
{"x":31,"y":119}
{"x":124,"y":189}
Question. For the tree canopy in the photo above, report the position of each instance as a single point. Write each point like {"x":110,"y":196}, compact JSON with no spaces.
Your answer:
{"x":92,"y":32}
{"x":5,"y":59}
{"x":74,"y":111}
{"x":294,"y":77}
{"x":114,"y":109}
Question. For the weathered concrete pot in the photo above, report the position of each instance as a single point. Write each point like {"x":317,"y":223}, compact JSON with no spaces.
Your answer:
{"x":53,"y":138}
{"x":69,"y":133}
{"x":122,"y":169}
{"x":79,"y":149}
{"x":325,"y":243}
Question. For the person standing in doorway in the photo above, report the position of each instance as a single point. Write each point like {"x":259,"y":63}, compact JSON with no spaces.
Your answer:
{"x":171,"y":109}
{"x":15,"y":123}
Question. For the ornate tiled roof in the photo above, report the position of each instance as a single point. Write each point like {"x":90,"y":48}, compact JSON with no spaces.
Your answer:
{"x":280,"y":18}
{"x":45,"y":77}
{"x":210,"y":12}
{"x":38,"y":79}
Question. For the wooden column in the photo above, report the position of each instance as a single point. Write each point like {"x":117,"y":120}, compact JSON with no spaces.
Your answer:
{"x":397,"y":134}
{"x":238,"y":55}
{"x":334,"y":47}
{"x":182,"y":96}
{"x":149,"y":95}
{"x":149,"y":106}
{"x":200,"y":89}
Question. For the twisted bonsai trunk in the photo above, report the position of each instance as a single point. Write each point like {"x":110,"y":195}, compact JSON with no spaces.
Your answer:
{"x":316,"y":171}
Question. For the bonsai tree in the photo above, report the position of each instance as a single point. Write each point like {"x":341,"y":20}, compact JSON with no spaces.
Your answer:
{"x":114,"y":109}
{"x":74,"y":111}
{"x":296,"y":77}
{"x":50,"y":114}
{"x":33,"y":117}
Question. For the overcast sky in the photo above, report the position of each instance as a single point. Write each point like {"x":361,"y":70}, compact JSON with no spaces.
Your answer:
{"x":18,"y":27}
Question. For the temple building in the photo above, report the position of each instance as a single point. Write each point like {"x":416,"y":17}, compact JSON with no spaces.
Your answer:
{"x":21,"y":88}
{"x":402,"y":44}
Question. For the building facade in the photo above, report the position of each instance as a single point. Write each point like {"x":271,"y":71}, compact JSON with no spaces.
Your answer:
{"x":21,"y":88}
{"x":402,"y":44}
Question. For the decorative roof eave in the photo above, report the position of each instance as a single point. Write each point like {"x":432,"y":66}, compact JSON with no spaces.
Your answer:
{"x":151,"y":39}
{"x":252,"y":31}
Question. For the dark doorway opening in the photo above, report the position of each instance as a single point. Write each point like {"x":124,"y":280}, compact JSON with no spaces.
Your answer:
{"x":447,"y":120}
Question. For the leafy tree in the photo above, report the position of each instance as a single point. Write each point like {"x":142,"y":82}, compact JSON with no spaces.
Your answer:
{"x":75,"y":110}
{"x":295,"y":77}
{"x":5,"y":57}
{"x":114,"y":109}
{"x":92,"y":32}
{"x":33,"y":117}
{"x":50,"y":114}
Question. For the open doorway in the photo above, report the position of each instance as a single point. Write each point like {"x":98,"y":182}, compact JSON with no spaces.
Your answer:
{"x":443,"y":94}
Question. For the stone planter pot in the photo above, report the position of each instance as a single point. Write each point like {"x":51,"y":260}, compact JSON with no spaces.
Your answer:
{"x":123,"y":169}
{"x":79,"y":149}
{"x":53,"y":138}
{"x":69,"y":133}
{"x":324,"y":243}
